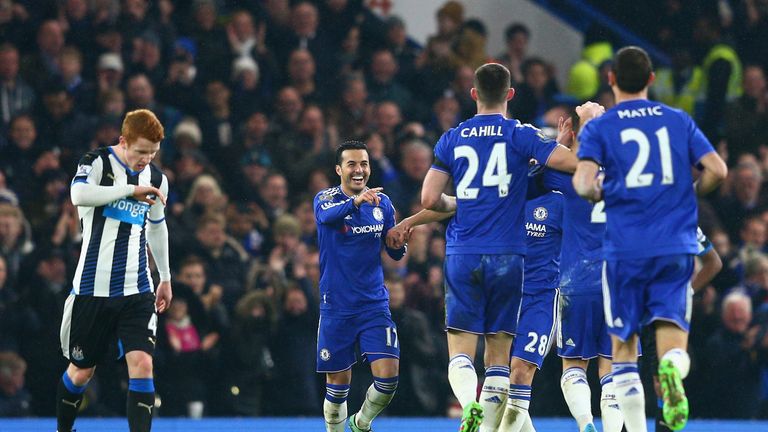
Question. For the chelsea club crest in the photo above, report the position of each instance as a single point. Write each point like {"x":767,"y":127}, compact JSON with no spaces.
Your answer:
{"x":378,"y":214}
{"x":325,"y":355}
{"x":540,"y":213}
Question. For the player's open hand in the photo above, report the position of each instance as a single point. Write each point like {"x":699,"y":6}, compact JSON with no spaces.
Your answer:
{"x":398,"y":236}
{"x":371,"y":196}
{"x":565,"y":131}
{"x":163,"y":296}
{"x":148,"y":194}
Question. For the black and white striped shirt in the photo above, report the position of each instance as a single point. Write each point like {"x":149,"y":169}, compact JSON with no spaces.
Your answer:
{"x":113,"y":259}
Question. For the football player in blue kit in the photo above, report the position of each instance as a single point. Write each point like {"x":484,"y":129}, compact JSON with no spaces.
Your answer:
{"x":352,"y":225}
{"x":486,"y":158}
{"x":647,"y":150}
{"x":538,"y":309}
{"x":582,"y":334}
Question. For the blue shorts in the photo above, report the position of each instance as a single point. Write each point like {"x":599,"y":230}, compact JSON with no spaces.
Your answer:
{"x":375,"y":332}
{"x":483,"y":293}
{"x":536,"y":326}
{"x":582,"y":332}
{"x":639,"y":291}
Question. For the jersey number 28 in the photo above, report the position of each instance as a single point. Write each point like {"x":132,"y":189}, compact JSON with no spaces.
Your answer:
{"x":494,"y":174}
{"x":636,"y":177}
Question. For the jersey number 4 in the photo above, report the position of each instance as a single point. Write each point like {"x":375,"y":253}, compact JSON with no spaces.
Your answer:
{"x":636,"y":177}
{"x":494,"y":174}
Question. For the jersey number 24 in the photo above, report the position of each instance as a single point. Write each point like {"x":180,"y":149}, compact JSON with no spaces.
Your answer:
{"x":494,"y":174}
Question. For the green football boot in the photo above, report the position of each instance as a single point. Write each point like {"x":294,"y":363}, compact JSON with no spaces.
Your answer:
{"x":672,"y":392}
{"x":472,"y":418}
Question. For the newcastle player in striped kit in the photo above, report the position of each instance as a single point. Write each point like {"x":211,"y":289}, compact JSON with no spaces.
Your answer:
{"x":120,"y":197}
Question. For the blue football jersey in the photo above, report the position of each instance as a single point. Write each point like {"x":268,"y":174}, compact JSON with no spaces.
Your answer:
{"x":581,"y":261}
{"x":647,"y":150}
{"x":543,"y":226}
{"x":350,"y":242}
{"x":487,"y":157}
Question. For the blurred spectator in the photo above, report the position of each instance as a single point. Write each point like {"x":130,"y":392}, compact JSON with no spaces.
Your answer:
{"x":470,"y":46}
{"x":387,"y":119}
{"x":722,"y":76}
{"x":79,"y":23}
{"x":140,"y":93}
{"x":210,"y":39}
{"x":83,"y":92}
{"x":419,"y":396}
{"x":351,"y":114}
{"x":382,"y":85}
{"x":187,"y":135}
{"x":218,"y":123}
{"x":461,"y":86}
{"x":180,"y":87}
{"x":316,"y":146}
{"x":14,"y":398}
{"x":205,"y":198}
{"x":416,"y":160}
{"x":17,"y":96}
{"x":248,"y":224}
{"x":679,"y":85}
{"x":450,"y":17}
{"x":445,"y":115}
{"x":295,"y":345}
{"x":224,"y":257}
{"x":745,"y":197}
{"x":751,"y":27}
{"x":247,"y":97}
{"x":20,"y":153}
{"x":734,"y":357}
{"x":37,"y":68}
{"x":435,"y":69}
{"x":45,"y":287}
{"x":185,"y":365}
{"x":274,"y":194}
{"x":301,"y":76}
{"x":109,"y":73}
{"x":516,"y":37}
{"x":65,"y":126}
{"x":306,"y":33}
{"x":536,"y":95}
{"x":584,"y":76}
{"x":747,"y":117}
{"x":15,"y":237}
{"x":404,"y":49}
{"x":146,"y":56}
{"x":248,"y":362}
{"x":16,"y":25}
{"x":136,"y":20}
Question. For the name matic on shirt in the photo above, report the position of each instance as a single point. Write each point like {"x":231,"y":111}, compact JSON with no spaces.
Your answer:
{"x":641,"y":112}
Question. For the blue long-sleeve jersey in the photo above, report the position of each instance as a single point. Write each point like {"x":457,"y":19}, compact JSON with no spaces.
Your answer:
{"x":350,"y":241}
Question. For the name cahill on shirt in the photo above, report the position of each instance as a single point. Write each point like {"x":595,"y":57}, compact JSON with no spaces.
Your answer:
{"x":481,"y":131}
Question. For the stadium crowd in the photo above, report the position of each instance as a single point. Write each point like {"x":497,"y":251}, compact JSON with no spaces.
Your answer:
{"x":254,"y":97}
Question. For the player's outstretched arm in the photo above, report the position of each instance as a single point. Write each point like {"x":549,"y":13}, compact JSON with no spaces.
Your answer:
{"x":585,"y":181}
{"x":711,"y":264}
{"x":432,"y":196}
{"x":562,"y":159}
{"x":327,"y":211}
{"x":715,"y":171}
{"x":401,"y":233}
